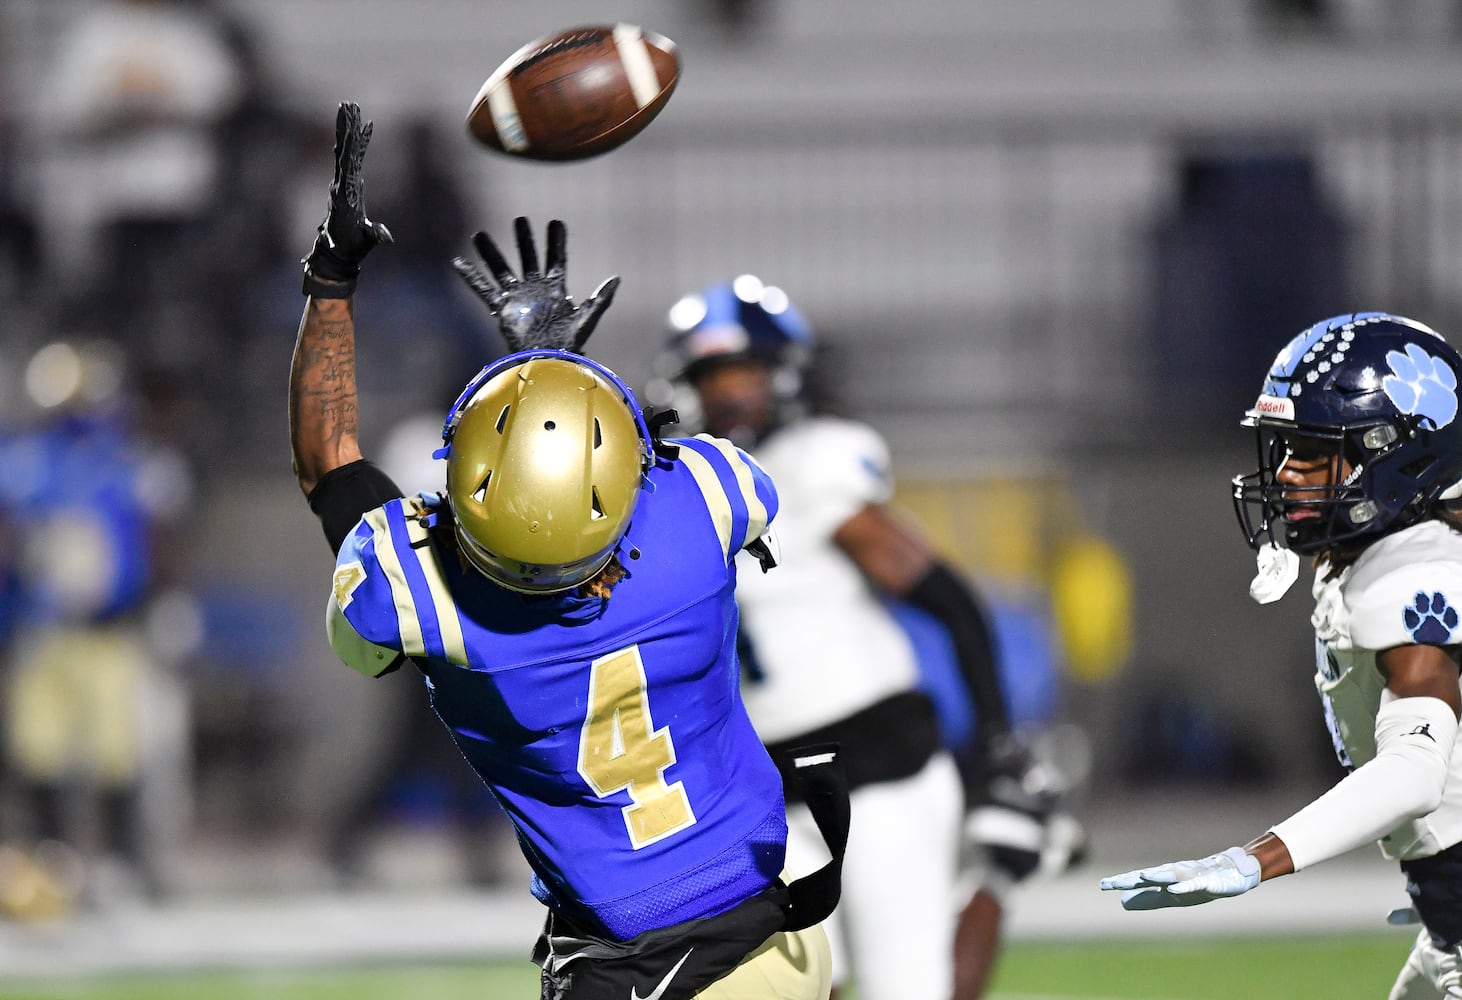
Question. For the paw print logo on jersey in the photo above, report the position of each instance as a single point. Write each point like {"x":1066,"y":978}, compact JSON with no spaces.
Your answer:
{"x":1430,"y":619}
{"x":1421,"y":384}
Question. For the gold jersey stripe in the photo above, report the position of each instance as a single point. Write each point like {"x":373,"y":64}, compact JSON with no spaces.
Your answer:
{"x":756,"y":511}
{"x":412,"y":643}
{"x":715,"y":496}
{"x":448,"y":621}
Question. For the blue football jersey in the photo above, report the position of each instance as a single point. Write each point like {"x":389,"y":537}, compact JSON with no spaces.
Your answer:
{"x":610,"y":729}
{"x":80,"y":499}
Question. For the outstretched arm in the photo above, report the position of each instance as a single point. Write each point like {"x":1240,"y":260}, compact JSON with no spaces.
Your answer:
{"x":1416,"y":728}
{"x":896,"y":558}
{"x":1011,"y":795}
{"x":323,"y":412}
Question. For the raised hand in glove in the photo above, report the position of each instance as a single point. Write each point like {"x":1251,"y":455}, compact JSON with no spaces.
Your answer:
{"x":1187,"y":883}
{"x":534,"y":311}
{"x":347,"y":234}
{"x":1013,"y":797}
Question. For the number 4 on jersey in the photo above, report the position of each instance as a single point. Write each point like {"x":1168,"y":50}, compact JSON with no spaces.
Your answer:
{"x":619,"y":748}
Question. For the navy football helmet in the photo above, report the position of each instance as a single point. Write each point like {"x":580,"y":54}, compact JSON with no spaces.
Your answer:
{"x":1381,"y":391}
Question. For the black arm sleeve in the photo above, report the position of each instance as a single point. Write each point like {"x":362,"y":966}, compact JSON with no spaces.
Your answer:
{"x":949,"y":599}
{"x":344,"y":494}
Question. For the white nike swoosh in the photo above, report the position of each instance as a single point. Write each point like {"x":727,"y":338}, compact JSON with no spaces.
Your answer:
{"x":659,"y":991}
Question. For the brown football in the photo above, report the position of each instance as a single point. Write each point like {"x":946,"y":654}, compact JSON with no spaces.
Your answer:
{"x":575,"y":93}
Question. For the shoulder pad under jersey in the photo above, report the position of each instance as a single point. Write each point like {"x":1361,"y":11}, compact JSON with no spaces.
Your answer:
{"x":829,"y":469}
{"x":739,"y":495}
{"x":390,"y":588}
{"x":1407,"y":589}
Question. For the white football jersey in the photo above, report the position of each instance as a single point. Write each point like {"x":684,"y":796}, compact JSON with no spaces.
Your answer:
{"x":822,"y":645}
{"x":1404,"y":589}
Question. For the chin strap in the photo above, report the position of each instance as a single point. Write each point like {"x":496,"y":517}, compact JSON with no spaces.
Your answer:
{"x":657,"y":421}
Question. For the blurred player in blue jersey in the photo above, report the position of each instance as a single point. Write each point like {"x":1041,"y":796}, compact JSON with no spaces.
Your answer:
{"x":824,"y":659}
{"x":569,"y":599}
{"x":87,"y":503}
{"x":1360,"y":468}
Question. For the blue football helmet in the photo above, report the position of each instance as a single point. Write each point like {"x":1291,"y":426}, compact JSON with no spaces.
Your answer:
{"x":1382,"y":391}
{"x":735,"y":320}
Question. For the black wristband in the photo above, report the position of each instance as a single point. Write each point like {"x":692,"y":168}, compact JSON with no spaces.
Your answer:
{"x":323,"y":288}
{"x":346,"y":493}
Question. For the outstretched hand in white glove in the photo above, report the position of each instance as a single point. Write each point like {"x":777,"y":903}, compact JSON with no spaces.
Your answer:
{"x":1187,"y":883}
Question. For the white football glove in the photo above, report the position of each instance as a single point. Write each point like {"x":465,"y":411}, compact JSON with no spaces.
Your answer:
{"x":1187,"y":883}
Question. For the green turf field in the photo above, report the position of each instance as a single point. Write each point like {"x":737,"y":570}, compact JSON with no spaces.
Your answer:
{"x":1336,"y":967}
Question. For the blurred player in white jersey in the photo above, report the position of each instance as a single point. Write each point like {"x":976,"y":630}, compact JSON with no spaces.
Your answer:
{"x":1360,"y":467}
{"x":824,"y":659}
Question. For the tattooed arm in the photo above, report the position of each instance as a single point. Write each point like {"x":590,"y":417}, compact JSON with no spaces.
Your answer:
{"x":323,"y":419}
{"x":340,"y":485}
{"x":323,"y":416}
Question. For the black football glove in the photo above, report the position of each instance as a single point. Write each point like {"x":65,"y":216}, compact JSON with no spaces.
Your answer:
{"x":1013,"y":798}
{"x":534,"y":311}
{"x":346,"y":235}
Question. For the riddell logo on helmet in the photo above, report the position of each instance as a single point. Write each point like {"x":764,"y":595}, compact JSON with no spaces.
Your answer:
{"x":1274,"y":406}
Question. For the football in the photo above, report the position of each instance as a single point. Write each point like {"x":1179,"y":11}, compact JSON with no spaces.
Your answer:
{"x":576,"y":93}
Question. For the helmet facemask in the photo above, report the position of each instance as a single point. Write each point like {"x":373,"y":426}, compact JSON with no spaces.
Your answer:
{"x":742,"y":321}
{"x":1392,"y":483}
{"x":1315,"y":517}
{"x":737,"y":398}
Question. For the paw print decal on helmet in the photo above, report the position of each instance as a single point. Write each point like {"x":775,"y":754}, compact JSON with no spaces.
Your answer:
{"x":1430,"y":619}
{"x":1289,"y":358}
{"x":1422,"y":385}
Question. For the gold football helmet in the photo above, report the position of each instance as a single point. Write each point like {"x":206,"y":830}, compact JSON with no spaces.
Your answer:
{"x":546,"y":453}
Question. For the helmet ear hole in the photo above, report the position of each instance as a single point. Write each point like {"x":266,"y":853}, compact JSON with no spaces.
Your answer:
{"x":1419,"y":468}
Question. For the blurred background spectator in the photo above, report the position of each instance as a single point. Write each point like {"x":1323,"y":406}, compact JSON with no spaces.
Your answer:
{"x":95,"y":714}
{"x":134,"y":90}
